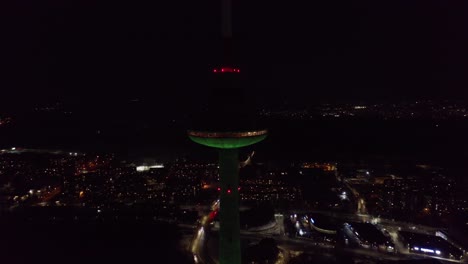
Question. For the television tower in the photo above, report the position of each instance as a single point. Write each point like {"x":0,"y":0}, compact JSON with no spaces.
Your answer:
{"x":226,"y":127}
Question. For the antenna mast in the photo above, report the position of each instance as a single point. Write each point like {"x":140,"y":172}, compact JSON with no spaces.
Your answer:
{"x":226,"y":16}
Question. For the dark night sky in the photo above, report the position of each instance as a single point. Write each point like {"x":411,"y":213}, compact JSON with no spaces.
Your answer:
{"x":82,"y":51}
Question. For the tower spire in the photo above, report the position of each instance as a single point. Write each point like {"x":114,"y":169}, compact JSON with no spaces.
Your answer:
{"x":226,"y":16}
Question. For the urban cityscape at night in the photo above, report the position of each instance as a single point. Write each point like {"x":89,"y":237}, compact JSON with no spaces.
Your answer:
{"x":233,"y":132}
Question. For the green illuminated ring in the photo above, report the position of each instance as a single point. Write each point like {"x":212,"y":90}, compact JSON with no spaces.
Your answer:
{"x":227,"y":140}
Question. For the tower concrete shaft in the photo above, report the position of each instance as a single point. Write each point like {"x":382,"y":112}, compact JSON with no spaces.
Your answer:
{"x":229,"y":233}
{"x":228,"y":144}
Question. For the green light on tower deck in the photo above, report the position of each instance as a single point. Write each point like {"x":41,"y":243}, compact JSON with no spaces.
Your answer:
{"x":228,"y":144}
{"x":227,"y":140}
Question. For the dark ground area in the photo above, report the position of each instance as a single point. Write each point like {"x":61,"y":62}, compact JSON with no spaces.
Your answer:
{"x":77,"y":242}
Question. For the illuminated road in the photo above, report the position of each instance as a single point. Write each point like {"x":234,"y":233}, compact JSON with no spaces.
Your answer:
{"x":392,"y":227}
{"x":292,"y":245}
{"x":308,"y":245}
{"x":199,"y":243}
{"x":361,"y":203}
{"x":372,"y":219}
{"x":286,"y":244}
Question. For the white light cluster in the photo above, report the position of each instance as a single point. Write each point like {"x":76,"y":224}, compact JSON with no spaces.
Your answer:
{"x":426,"y":250}
{"x":147,"y":168}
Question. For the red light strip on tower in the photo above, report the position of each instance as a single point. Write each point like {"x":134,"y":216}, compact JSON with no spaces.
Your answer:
{"x":226,"y":69}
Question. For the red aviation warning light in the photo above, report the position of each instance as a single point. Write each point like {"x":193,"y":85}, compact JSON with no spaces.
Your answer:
{"x":226,"y":70}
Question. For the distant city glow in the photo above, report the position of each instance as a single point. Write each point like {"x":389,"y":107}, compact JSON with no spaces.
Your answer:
{"x":317,"y":165}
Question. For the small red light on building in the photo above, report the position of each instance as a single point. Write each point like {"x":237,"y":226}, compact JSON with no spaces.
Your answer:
{"x":238,"y":188}
{"x":219,"y":189}
{"x":229,"y":191}
{"x":214,"y":70}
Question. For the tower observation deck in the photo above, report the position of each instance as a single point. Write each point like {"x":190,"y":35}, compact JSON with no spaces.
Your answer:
{"x":227,"y":126}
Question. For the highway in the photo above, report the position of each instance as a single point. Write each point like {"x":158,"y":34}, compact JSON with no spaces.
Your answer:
{"x":199,"y":247}
{"x":289,"y":245}
{"x":292,"y":246}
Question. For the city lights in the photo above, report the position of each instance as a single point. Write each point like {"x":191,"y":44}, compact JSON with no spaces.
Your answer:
{"x":344,"y":140}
